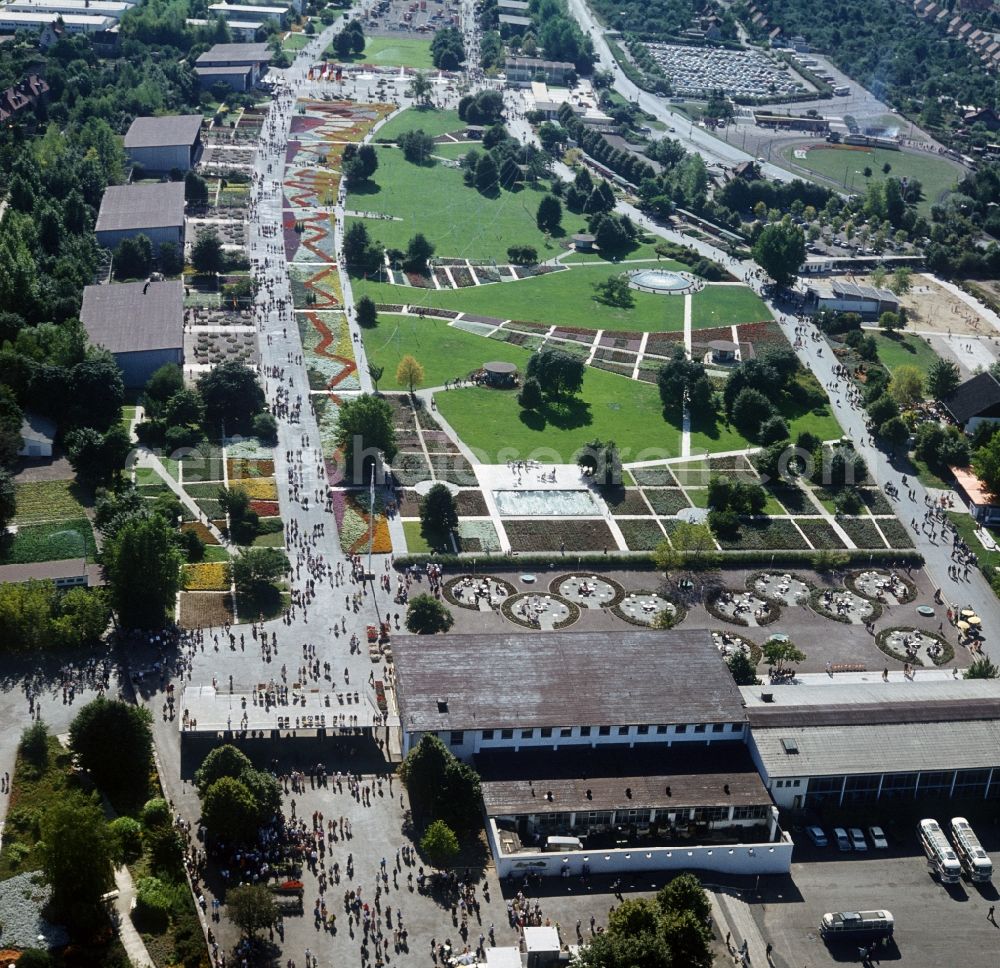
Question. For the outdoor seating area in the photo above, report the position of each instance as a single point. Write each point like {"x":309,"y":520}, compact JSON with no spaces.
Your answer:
{"x":590,"y":592}
{"x":643,"y":608}
{"x":743,"y":608}
{"x":536,"y":611}
{"x":785,"y":589}
{"x":882,"y":586}
{"x":844,"y":606}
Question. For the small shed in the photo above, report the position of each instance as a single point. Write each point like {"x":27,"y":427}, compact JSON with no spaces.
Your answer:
{"x":500,"y":374}
{"x":37,"y":434}
{"x":723,"y":350}
{"x":542,"y":946}
{"x":583,"y":242}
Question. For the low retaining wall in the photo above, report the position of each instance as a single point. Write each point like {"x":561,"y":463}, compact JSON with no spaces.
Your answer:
{"x":752,"y":859}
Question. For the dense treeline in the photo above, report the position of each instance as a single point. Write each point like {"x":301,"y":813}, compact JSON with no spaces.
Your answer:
{"x":955,"y":249}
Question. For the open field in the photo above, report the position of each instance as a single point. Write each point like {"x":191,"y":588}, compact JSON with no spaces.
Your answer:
{"x":396,"y":52}
{"x":458,"y":220}
{"x":896,"y":351}
{"x":724,"y":305}
{"x":834,"y":164}
{"x":444,"y":351}
{"x":431,"y":120}
{"x":609,"y":407}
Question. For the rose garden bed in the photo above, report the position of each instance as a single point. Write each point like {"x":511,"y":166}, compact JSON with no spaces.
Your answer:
{"x":533,"y":535}
{"x":640,"y":535}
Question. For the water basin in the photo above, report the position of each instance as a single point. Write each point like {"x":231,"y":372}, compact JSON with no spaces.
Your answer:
{"x":554,"y":503}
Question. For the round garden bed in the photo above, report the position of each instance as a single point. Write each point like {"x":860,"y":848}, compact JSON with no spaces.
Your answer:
{"x":730,"y":642}
{"x":844,"y":606}
{"x":888,"y":587}
{"x":782,"y":589}
{"x":588,"y":591}
{"x":916,"y":646}
{"x":533,"y":610}
{"x":741,"y":608}
{"x":645,"y":607}
{"x":462,"y":591}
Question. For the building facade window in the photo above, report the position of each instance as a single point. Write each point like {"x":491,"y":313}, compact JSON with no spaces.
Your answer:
{"x":604,"y":730}
{"x":899,"y":786}
{"x":566,"y":732}
{"x":527,"y":733}
{"x":718,"y":727}
{"x":623,"y":730}
{"x":861,"y":789}
{"x":457,"y":737}
{"x":642,"y":730}
{"x":681,"y":729}
{"x":699,"y":728}
{"x":660,"y":730}
{"x":487,"y":734}
{"x":546,"y":732}
{"x":584,"y":730}
{"x":757,"y":811}
{"x":935,"y":783}
{"x":506,"y":734}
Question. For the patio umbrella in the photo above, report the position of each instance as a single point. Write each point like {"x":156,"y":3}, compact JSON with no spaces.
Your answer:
{"x":964,"y":626}
{"x":975,"y":620}
{"x":967,"y":612}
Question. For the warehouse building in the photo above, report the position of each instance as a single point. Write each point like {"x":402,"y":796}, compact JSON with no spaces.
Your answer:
{"x":78,"y":23}
{"x":140,"y":324}
{"x":156,"y":211}
{"x":163,"y":144}
{"x":54,"y":8}
{"x":240,"y":66}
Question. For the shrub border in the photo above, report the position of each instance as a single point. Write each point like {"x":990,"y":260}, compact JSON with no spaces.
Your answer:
{"x":448,"y":585}
{"x":850,"y":580}
{"x":619,"y":589}
{"x":680,"y":610}
{"x":817,"y":594}
{"x":774,"y":599}
{"x":711,"y":606}
{"x":507,"y":608}
{"x":882,"y":638}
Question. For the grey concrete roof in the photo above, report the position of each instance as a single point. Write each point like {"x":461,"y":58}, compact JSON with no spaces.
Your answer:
{"x":133,"y":207}
{"x":175,"y":129}
{"x":36,"y":427}
{"x":881,"y":748}
{"x":123,"y":320}
{"x":522,"y":679}
{"x":242,"y":69}
{"x":222,"y":54}
{"x":875,"y":692}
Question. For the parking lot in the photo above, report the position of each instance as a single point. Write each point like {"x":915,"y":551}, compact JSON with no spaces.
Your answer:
{"x":936,"y":925}
{"x":700,"y":71}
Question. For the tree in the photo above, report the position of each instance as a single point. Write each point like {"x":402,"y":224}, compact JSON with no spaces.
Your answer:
{"x":231,"y":393}
{"x":943,"y":379}
{"x":742,"y":669}
{"x":438,"y":511}
{"x":161,"y":386}
{"x":778,"y":653}
{"x":685,"y":893}
{"x":11,"y":421}
{"x":142,"y":567}
{"x":256,"y":569}
{"x":614,"y":291}
{"x":982,"y":668}
{"x":899,"y":281}
{"x":440,"y":785}
{"x":418,"y":253}
{"x":97,"y":390}
{"x":77,"y":860}
{"x":780,"y":250}
{"x":225,"y":760}
{"x":376,"y":373}
{"x":416,"y":145}
{"x":409,"y":372}
{"x":890,"y":321}
{"x":360,"y":253}
{"x":265,"y":428}
{"x":360,"y":163}
{"x":677,"y":379}
{"x":365,"y":434}
{"x":750,"y":409}
{"x":906,"y":386}
{"x":195,"y":188}
{"x":420,"y":88}
{"x":114,"y":741}
{"x":426,"y":615}
{"x":529,"y":397}
{"x":366,"y":313}
{"x":602,"y":461}
{"x":252,"y":908}
{"x":126,"y":836}
{"x":8,"y":500}
{"x":207,"y":254}
{"x":229,"y":809}
{"x":133,"y":257}
{"x":487,"y":175}
{"x":986,"y":464}
{"x":34,"y":745}
{"x":690,"y":545}
{"x":549,"y":214}
{"x":774,"y":430}
{"x":439,"y":844}
{"x":558,"y":373}
{"x":183,"y":408}
{"x":894,"y":432}
{"x":97,"y":458}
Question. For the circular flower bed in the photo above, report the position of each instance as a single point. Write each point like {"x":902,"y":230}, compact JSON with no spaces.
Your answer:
{"x":936,"y":647}
{"x":595,"y":601}
{"x":677,"y":610}
{"x":781,"y":589}
{"x":722,"y":604}
{"x":867,"y":582}
{"x":464,"y":602}
{"x":511,"y":608}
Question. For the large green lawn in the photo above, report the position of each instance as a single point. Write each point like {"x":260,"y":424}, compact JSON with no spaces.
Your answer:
{"x":396,"y":52}
{"x":610,"y":407}
{"x":431,"y":120}
{"x":725,"y":305}
{"x":896,"y":351}
{"x":934,"y":173}
{"x":458,"y":220}
{"x":444,"y":352}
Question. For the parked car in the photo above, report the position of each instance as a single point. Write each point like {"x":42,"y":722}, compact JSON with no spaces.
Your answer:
{"x":877,"y":837}
{"x":858,"y":841}
{"x":817,"y":836}
{"x":843,"y":841}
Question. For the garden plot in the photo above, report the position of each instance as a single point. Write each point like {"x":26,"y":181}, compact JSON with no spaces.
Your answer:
{"x":329,"y":352}
{"x":47,"y":501}
{"x":308,"y":237}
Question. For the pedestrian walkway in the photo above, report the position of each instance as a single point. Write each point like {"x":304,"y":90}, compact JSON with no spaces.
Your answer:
{"x":739,"y":925}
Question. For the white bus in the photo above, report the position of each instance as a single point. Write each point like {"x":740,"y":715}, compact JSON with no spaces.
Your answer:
{"x":856,"y":925}
{"x":941,"y":858}
{"x":975,"y":861}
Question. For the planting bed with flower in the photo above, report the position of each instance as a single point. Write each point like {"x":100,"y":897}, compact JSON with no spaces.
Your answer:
{"x":353,"y":522}
{"x":258,"y":488}
{"x":329,"y":352}
{"x":206,"y":576}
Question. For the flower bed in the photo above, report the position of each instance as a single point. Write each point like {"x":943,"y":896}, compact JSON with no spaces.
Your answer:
{"x":767,"y":534}
{"x":48,"y":542}
{"x":895,"y":533}
{"x":46,"y":501}
{"x":626,"y":502}
{"x":241,"y":468}
{"x":621,"y":369}
{"x":206,"y":576}
{"x":257,"y":488}
{"x":477,"y":536}
{"x":353,"y":523}
{"x":510,"y":602}
{"x":862,"y":532}
{"x":462,"y":276}
{"x":202,"y":530}
{"x":766,"y":333}
{"x":471,"y":504}
{"x":642,"y":535}
{"x":666,"y":501}
{"x":248,"y":448}
{"x":820,"y":534}
{"x":655,"y":476}
{"x":529,"y":535}
{"x":449,"y":589}
{"x":265,"y":509}
{"x":204,"y":609}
